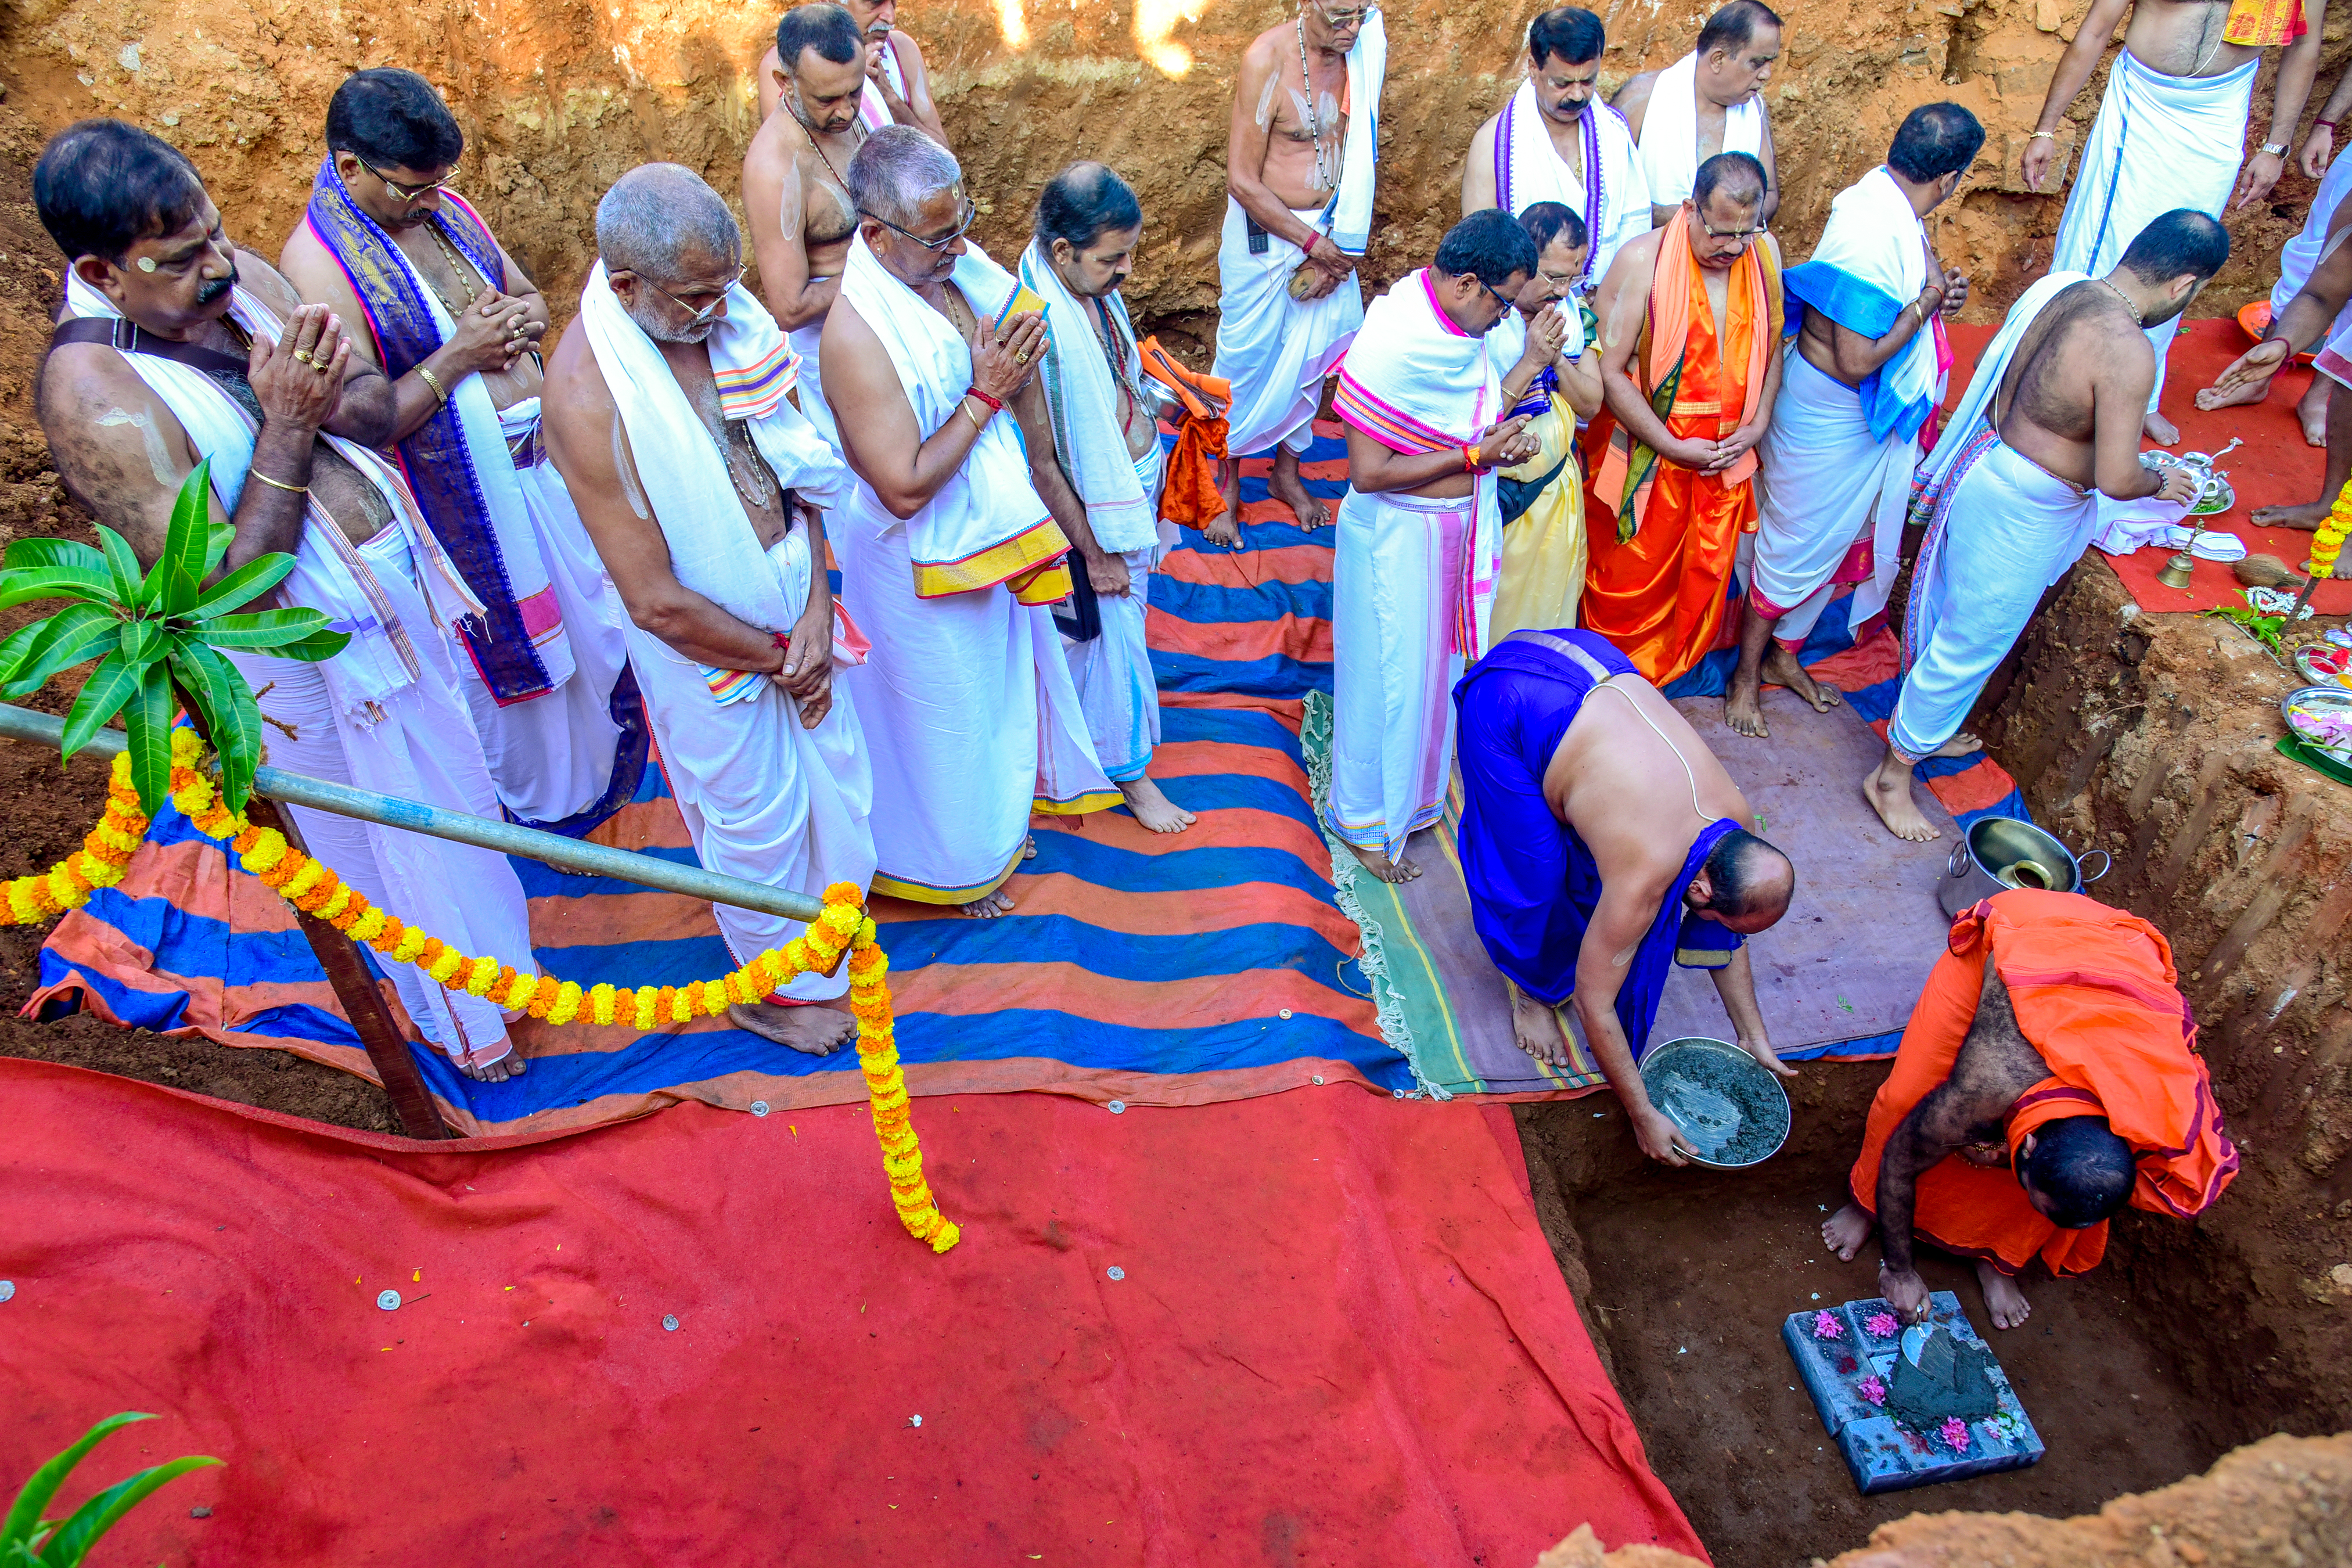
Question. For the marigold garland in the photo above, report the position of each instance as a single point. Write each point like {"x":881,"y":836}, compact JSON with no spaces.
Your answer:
{"x":2329,"y":542}
{"x":842,"y":931}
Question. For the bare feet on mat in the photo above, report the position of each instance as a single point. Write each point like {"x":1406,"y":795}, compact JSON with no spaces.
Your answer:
{"x":1224,"y":531}
{"x":511,"y":1065}
{"x":2306,"y":516}
{"x":1153,"y":809}
{"x":1290,"y":491}
{"x":2312,"y":412}
{"x":999,"y":902}
{"x":1845,"y":1232}
{"x":1380,"y":865}
{"x":819,"y":1031}
{"x":1960,"y":746}
{"x":2003,"y":1300}
{"x":1743,"y":708}
{"x":1536,"y":1029}
{"x":1891,"y":798}
{"x":1781,"y":668}
{"x":2159,"y":430}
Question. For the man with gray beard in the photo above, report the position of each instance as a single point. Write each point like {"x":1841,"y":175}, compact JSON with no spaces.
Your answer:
{"x":666,"y":414}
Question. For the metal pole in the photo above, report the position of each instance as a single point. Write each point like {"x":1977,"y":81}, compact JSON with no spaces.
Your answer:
{"x":570,"y":854}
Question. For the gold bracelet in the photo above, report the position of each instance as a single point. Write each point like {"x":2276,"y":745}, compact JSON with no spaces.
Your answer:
{"x":963,"y":406}
{"x":278,"y":484}
{"x":435,"y":382}
{"x":2043,"y":136}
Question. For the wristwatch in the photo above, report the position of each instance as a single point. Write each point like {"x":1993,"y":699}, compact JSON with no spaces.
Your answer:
{"x":2275,"y":149}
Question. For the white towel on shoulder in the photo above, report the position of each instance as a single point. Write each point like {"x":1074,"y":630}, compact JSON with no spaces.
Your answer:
{"x":1348,"y":218}
{"x":1670,"y":131}
{"x":1085,"y":401}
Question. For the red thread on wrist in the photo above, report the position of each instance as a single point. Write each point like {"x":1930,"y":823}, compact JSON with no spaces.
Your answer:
{"x":994,"y":405}
{"x":2326,"y":125}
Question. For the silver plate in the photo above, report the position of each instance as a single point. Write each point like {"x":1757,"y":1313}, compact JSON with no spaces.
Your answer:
{"x":2335,"y":698}
{"x":1699,"y":1123}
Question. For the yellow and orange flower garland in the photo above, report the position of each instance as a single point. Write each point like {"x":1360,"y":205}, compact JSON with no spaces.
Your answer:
{"x":2328,"y":543}
{"x":310,"y":886}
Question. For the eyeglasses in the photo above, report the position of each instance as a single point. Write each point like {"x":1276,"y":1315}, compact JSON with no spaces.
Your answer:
{"x":696,"y":318}
{"x":1355,"y":16}
{"x":1505,"y":301}
{"x":970,"y":216}
{"x":405,"y":193}
{"x":1743,"y":235}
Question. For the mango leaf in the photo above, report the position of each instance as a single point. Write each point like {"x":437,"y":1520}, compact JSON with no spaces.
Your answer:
{"x":114,"y":682}
{"x":179,"y":594}
{"x":219,"y":535}
{"x":75,"y":633}
{"x":263,"y":629}
{"x":57,"y":583}
{"x":144,"y":640}
{"x":25,"y":1514}
{"x":93,"y":1518}
{"x":247,"y":582}
{"x":148,"y":718}
{"x":189,"y":538}
{"x":26,"y":553}
{"x":230,"y":715}
{"x":123,"y":563}
{"x":316,"y":648}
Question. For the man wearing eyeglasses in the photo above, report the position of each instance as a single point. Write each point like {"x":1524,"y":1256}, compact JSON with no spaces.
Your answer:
{"x":179,"y":347}
{"x":1298,"y":213}
{"x":898,"y":83}
{"x":1690,"y":363}
{"x":456,"y":325}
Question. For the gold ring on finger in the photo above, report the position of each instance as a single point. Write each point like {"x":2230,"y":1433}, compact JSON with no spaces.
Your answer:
{"x":303,"y":355}
{"x":1021,"y":358}
{"x":320,"y":366}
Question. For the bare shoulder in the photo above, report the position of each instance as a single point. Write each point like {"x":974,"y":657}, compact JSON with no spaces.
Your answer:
{"x":1637,"y":257}
{"x":267,"y":284}
{"x":847,"y":332}
{"x":312,"y":273}
{"x":577,"y":398}
{"x":775,"y":152}
{"x":1631,"y":98}
{"x":1265,"y":49}
{"x":909,"y":53}
{"x":1483,"y":139}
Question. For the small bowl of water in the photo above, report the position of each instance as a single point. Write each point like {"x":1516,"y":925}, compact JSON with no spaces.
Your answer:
{"x":1730,"y":1108}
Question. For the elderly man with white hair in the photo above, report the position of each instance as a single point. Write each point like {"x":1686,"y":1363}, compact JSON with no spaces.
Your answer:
{"x":947,"y":547}
{"x":700,"y":484}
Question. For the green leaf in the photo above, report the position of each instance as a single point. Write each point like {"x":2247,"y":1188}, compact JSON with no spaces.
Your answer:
{"x":316,"y":648}
{"x":93,"y":1518}
{"x":31,"y":656}
{"x":148,"y":718}
{"x":123,"y":563}
{"x":263,"y":629}
{"x":180,"y":593}
{"x":57,"y":583}
{"x":26,"y":553}
{"x":247,"y":582}
{"x":189,"y":538}
{"x":220,"y":535}
{"x":144,"y":640}
{"x":113,"y":683}
{"x":230,"y":714}
{"x":24,"y":1515}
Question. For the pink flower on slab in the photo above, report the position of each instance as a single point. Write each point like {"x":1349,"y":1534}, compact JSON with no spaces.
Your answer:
{"x":1872,"y":1389}
{"x":1826,"y":1327}
{"x":1882,"y":1325}
{"x":1955,"y":1433}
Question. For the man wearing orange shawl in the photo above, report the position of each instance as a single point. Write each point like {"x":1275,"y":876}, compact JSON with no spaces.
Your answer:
{"x":1690,"y":336}
{"x":2032,"y":1097}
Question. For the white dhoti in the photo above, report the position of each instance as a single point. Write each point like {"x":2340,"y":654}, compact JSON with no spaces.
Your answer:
{"x":1112,"y":672}
{"x":2011,"y":530}
{"x":1277,"y":351}
{"x":2160,"y":143}
{"x":2332,"y":356}
{"x":423,"y":749}
{"x":551,"y":755}
{"x":1830,"y":501}
{"x":805,"y":342}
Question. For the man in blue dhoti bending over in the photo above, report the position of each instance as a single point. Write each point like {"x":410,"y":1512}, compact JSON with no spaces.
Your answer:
{"x":1602,"y":842}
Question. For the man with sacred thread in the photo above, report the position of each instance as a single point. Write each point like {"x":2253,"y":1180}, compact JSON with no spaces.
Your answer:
{"x":453,"y":321}
{"x":701,"y":485}
{"x":899,"y":80}
{"x":948,"y":547}
{"x":1711,"y":100}
{"x":1299,"y":170}
{"x":176,"y":347}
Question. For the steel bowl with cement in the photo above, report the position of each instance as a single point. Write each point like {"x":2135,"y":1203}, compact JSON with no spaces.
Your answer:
{"x":1731,"y":1109}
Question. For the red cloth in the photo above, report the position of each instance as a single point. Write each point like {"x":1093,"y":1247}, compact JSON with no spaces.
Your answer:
{"x":2096,"y":994}
{"x":1188,"y":494}
{"x":1341,"y":1337}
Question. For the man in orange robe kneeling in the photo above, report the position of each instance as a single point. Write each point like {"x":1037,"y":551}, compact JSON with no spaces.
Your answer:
{"x":1690,"y":362}
{"x":2032,"y":1097}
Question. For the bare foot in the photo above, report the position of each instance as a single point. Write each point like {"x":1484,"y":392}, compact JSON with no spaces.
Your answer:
{"x":1845,"y":1232}
{"x":2003,"y":1300}
{"x":2159,"y":430}
{"x":1536,"y":1029}
{"x":511,"y":1065}
{"x":1380,"y":865}
{"x":2208,"y":400}
{"x":1224,"y":531}
{"x":1890,"y":796}
{"x":999,"y":902}
{"x":1960,"y":746}
{"x":816,"y":1030}
{"x":2312,"y":412}
{"x":2306,"y":516}
{"x":1743,"y":708}
{"x":1153,"y":809}
{"x":1781,"y":668}
{"x":1288,"y":490}
{"x":1029,"y":847}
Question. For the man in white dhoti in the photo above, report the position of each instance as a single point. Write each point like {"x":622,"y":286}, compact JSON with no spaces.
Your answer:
{"x":1833,"y":475}
{"x":1711,"y":100}
{"x":2010,"y":496}
{"x":946,"y":549}
{"x":701,"y":484}
{"x":1298,"y":213}
{"x":179,"y":348}
{"x":455,"y":324}
{"x":899,"y":80}
{"x":1413,"y":576}
{"x":1554,"y":142}
{"x":1108,"y":457}
{"x":2171,"y":128}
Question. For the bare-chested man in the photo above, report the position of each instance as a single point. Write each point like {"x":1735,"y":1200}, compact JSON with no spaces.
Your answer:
{"x":894,"y":67}
{"x":2050,"y":422}
{"x":2043,"y":1082}
{"x":179,"y":347}
{"x":701,"y":484}
{"x":2171,"y":130}
{"x":1709,"y":101}
{"x":802,"y":219}
{"x":1603,"y":843}
{"x":1298,"y":215}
